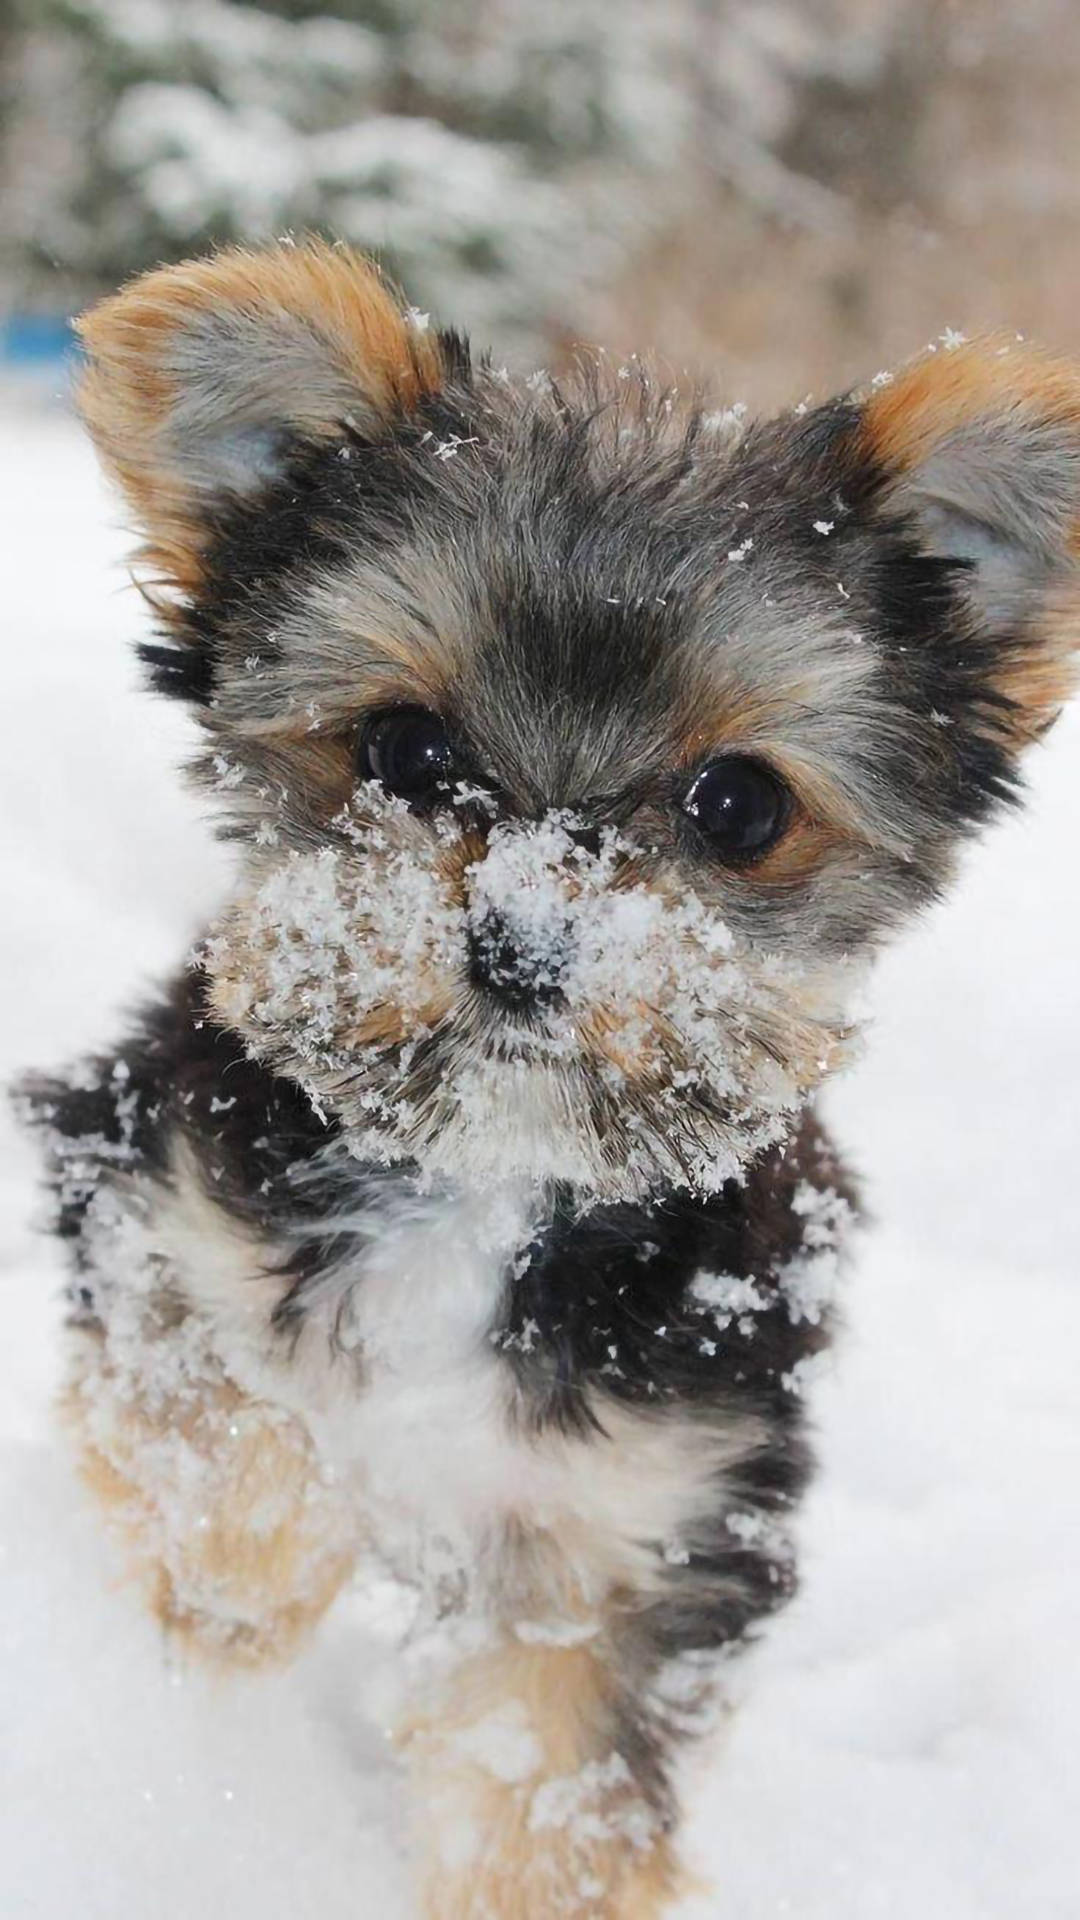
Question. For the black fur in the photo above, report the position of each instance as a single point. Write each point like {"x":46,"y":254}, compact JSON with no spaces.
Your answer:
{"x":180,"y":1078}
{"x":597,"y":1308}
{"x":600,"y":1305}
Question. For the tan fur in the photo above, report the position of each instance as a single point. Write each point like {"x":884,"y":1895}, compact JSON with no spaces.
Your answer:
{"x":391,"y":1026}
{"x":823,"y":824}
{"x":997,"y":380}
{"x":737,"y":712}
{"x":244,"y":1551}
{"x":331,"y":727}
{"x":604,"y":1032}
{"x":802,"y":850}
{"x":612,"y":1862}
{"x":646,"y":1061}
{"x":316,"y":770}
{"x":243,"y":974}
{"x":129,"y":392}
{"x":944,"y":391}
{"x":455,"y":860}
{"x":1041,"y":680}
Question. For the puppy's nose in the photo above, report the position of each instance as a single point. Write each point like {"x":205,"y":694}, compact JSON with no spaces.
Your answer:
{"x":519,"y":972}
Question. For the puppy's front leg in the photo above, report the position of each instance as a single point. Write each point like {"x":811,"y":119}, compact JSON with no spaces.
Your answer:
{"x":540,"y":1797}
{"x":227,"y":1515}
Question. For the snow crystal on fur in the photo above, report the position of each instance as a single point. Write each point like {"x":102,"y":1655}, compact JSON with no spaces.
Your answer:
{"x":674,"y":1053}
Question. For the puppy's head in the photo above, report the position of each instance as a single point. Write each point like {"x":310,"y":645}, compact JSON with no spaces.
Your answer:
{"x":581,"y":742}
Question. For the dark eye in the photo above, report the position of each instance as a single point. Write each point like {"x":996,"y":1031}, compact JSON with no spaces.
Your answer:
{"x":740,"y":804}
{"x":408,"y":752}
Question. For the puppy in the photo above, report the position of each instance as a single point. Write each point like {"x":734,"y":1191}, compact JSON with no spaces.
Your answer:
{"x":461,"y":1212}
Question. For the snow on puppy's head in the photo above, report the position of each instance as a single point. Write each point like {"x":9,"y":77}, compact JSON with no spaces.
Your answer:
{"x":579,"y":748}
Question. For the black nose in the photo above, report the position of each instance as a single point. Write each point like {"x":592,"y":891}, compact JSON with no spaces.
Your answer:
{"x":517,"y":977}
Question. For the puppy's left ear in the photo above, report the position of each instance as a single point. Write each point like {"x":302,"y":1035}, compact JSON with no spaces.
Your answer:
{"x":978,"y":447}
{"x":202,"y":378}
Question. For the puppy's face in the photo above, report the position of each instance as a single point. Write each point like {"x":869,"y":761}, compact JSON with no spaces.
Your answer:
{"x":580,"y":742}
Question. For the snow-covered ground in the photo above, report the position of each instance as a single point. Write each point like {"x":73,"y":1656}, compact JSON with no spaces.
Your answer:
{"x":906,"y":1746}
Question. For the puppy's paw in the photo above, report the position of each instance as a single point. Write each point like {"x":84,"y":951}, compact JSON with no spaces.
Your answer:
{"x":565,"y":1878}
{"x":227,"y":1518}
{"x":529,"y":1812}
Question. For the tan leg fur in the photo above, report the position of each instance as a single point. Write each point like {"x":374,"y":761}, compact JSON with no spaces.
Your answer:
{"x":237,"y":1535}
{"x":532,"y":1813}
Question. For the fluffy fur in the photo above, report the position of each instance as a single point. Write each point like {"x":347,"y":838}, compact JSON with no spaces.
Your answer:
{"x":463,"y":1212}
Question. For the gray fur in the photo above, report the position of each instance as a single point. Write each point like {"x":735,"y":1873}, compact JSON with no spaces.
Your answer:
{"x":1000,"y":495}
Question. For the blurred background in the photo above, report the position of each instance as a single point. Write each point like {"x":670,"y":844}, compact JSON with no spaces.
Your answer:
{"x":790,"y":192}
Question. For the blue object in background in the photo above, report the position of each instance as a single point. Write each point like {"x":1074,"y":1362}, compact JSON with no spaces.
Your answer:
{"x":36,"y":340}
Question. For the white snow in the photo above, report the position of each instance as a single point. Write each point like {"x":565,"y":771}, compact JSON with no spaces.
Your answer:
{"x":905,"y":1743}
{"x":319,"y":944}
{"x":503,"y":1743}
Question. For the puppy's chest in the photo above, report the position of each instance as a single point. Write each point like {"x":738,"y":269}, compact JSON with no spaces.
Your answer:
{"x":429,"y":1415}
{"x":424,"y":1412}
{"x":431,"y":1410}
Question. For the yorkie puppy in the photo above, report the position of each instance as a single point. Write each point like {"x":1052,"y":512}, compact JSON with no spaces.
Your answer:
{"x":462,"y":1210}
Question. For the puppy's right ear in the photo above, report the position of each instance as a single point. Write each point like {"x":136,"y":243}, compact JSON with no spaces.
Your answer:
{"x":201,"y":379}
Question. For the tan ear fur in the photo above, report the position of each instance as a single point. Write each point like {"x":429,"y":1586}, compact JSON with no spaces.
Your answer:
{"x":996,"y":422}
{"x":950,"y":388}
{"x":188,"y":363}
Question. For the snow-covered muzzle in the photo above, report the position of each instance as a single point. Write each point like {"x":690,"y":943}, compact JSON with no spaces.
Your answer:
{"x":665,"y":1049}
